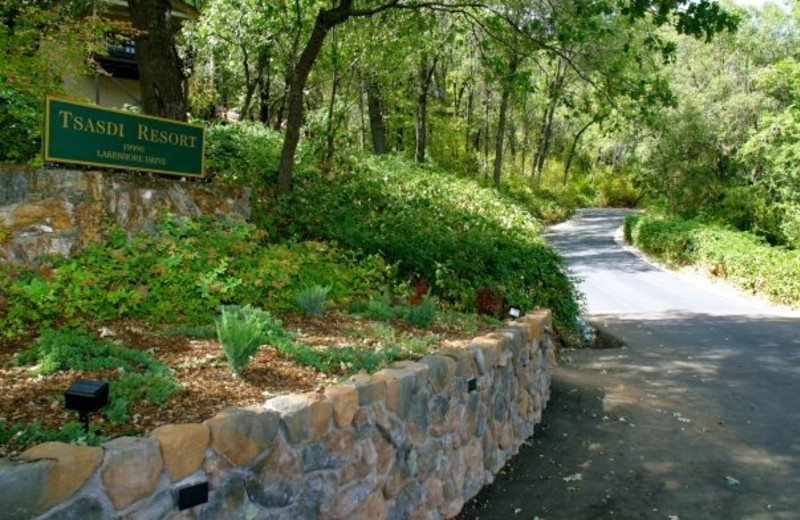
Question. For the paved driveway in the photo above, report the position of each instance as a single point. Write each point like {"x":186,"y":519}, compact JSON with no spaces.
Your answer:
{"x":697,"y":416}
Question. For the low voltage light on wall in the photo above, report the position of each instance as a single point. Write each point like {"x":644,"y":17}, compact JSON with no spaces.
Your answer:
{"x":86,"y":397}
{"x":514,"y":312}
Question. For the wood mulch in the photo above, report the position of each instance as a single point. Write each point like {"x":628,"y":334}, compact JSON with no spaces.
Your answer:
{"x":199,"y":365}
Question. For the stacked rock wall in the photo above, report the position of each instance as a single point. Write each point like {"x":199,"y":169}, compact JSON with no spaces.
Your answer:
{"x":413,"y":441}
{"x":58,"y":211}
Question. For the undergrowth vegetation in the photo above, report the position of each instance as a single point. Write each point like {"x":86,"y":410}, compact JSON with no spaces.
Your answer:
{"x":141,"y":376}
{"x":743,"y":258}
{"x":452,"y":232}
{"x":182,"y":276}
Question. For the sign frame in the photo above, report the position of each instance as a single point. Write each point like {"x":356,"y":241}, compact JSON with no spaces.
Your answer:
{"x":47,"y":141}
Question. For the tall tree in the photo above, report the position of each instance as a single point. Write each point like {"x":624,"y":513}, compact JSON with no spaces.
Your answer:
{"x":160,"y":68}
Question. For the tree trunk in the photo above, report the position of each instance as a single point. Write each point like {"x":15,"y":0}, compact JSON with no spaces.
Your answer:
{"x":331,"y":126}
{"x":486,"y":102}
{"x":362,"y":127}
{"x":425,"y":73}
{"x":376,"y":126}
{"x":572,"y":149}
{"x":501,"y":131}
{"x":553,"y":98}
{"x":525,"y":135}
{"x":265,"y":87}
{"x":282,"y":106}
{"x":249,"y":84}
{"x":160,"y":67}
{"x":324,"y":22}
{"x":501,"y":121}
{"x":469,"y":121}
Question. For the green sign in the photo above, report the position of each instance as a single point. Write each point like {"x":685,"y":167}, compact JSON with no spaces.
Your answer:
{"x":85,"y":134}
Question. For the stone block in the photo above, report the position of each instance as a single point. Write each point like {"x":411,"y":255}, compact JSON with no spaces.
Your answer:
{"x":318,"y":457}
{"x":228,"y":499}
{"x":351,"y":497}
{"x":465,"y":361}
{"x":409,"y":503}
{"x":392,"y":429}
{"x":385,"y":454}
{"x":373,"y":508}
{"x":419,"y":370}
{"x":400,"y":389}
{"x":433,"y":456}
{"x":364,"y":422}
{"x":275,"y":482}
{"x":21,"y":485}
{"x":241,"y":435}
{"x":370,"y":390}
{"x":82,"y":508}
{"x":186,"y":514}
{"x":490,"y":348}
{"x":435,"y":494}
{"x":157,"y":506}
{"x":515,"y":342}
{"x":73,"y":465}
{"x":131,"y":468}
{"x":318,"y":496}
{"x":440,"y":407}
{"x":344,"y":399}
{"x":183,"y":447}
{"x":474,"y":471}
{"x":523,"y":327}
{"x":419,"y":418}
{"x":442,"y":372}
{"x":306,"y":417}
{"x":50,"y":214}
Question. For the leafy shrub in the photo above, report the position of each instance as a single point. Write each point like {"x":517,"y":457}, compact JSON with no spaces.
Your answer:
{"x":627,"y":227}
{"x":669,"y":239}
{"x":241,"y":330}
{"x":183,"y":276}
{"x":28,"y":434}
{"x":20,"y":126}
{"x":344,"y":360}
{"x":244,"y":153}
{"x":615,"y":189}
{"x":379,"y":308}
{"x":422,"y":315}
{"x":142,"y":376}
{"x":349,"y":359}
{"x":743,"y":258}
{"x":434,"y":226}
{"x":312,"y":300}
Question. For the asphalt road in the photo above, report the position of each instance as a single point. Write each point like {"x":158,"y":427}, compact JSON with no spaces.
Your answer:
{"x":696,"y":416}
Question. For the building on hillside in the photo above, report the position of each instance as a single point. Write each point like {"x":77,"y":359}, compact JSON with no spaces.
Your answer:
{"x":115,"y":82}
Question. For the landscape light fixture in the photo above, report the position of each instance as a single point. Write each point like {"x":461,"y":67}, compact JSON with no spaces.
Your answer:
{"x":86,"y":397}
{"x":514,"y":312}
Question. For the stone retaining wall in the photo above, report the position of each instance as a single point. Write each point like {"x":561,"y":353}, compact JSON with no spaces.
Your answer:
{"x":58,"y":211}
{"x":413,"y":441}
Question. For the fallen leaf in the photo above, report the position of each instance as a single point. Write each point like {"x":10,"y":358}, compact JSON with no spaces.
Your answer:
{"x":574,"y":477}
{"x":731,"y":481}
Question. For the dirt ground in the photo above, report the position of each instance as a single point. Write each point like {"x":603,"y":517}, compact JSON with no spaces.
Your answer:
{"x":199,"y":365}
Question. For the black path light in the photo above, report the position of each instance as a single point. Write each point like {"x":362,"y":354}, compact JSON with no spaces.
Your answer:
{"x":86,"y":397}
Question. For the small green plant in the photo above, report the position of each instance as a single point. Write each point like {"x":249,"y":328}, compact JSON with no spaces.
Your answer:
{"x":422,"y":315}
{"x":20,"y":434}
{"x":141,"y":376}
{"x":191,"y":331}
{"x":312,"y":299}
{"x":379,"y":309}
{"x":241,"y":330}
